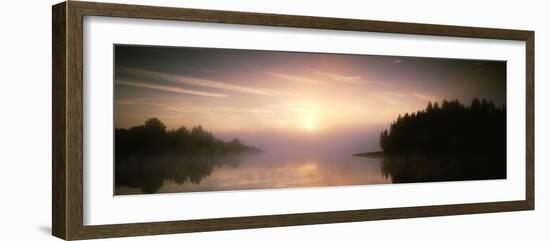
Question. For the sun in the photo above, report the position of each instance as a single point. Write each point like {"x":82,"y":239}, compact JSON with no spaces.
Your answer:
{"x":310,"y":121}
{"x":309,"y":127}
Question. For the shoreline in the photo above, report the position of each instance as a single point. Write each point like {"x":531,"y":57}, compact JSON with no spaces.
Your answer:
{"x":373,"y":154}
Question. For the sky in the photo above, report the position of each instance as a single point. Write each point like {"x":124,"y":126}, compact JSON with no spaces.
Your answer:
{"x":247,"y":92}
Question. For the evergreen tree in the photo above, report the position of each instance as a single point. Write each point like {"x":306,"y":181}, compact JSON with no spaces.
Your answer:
{"x":453,"y":129}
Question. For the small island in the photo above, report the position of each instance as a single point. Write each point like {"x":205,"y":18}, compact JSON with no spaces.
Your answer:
{"x":373,"y":154}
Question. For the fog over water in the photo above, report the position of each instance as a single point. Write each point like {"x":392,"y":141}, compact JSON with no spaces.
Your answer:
{"x":289,"y":160}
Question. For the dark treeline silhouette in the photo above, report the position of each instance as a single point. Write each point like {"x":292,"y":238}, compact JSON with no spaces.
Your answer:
{"x":446,"y":142}
{"x":153,"y":138}
{"x":147,"y":155}
{"x":452,"y":129}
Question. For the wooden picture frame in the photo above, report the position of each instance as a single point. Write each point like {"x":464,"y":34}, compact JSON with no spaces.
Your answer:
{"x":67,"y":124}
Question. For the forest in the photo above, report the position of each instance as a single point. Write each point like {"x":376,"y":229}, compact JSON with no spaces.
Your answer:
{"x":153,"y":138}
{"x":451,"y":128}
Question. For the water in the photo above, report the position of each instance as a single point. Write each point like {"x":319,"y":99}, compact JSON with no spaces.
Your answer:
{"x":273,"y":169}
{"x":292,"y":169}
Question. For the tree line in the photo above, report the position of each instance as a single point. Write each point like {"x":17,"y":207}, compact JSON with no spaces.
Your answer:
{"x":448,"y":129}
{"x":153,"y":138}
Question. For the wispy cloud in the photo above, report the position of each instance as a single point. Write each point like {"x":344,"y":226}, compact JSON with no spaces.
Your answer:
{"x":295,"y":78}
{"x":171,"y":89}
{"x":221,"y":111}
{"x":353,"y":79}
{"x":169,"y":106}
{"x":424,"y":97}
{"x":138,"y":101}
{"x":340,"y":78}
{"x":174,"y":78}
{"x":395,"y":97}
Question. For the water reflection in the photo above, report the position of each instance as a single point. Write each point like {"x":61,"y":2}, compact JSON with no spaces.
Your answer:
{"x":181,"y":173}
{"x":148,"y":173}
{"x":173,"y":173}
{"x":416,"y":168}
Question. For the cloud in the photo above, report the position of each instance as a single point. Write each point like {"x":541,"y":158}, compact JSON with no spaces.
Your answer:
{"x":174,"y":78}
{"x":138,"y":101}
{"x":340,"y":78}
{"x":305,"y":80}
{"x":295,"y":78}
{"x":171,"y":89}
{"x":424,"y":97}
{"x":403,"y":97}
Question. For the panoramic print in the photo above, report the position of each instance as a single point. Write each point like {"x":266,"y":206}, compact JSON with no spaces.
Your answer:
{"x":211,"y":119}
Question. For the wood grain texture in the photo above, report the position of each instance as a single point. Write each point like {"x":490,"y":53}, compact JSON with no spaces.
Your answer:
{"x":74,"y":121}
{"x":530,"y":120}
{"x":121,"y":230}
{"x":68,"y":120}
{"x":280,"y":20}
{"x":58,"y":121}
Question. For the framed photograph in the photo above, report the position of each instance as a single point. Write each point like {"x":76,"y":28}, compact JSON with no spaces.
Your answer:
{"x":171,"y":120}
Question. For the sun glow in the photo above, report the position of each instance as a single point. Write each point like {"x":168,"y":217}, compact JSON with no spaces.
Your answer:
{"x":310,"y":120}
{"x":309,"y":127}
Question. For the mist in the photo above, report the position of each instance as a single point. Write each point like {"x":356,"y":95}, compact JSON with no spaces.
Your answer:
{"x":343,"y":140}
